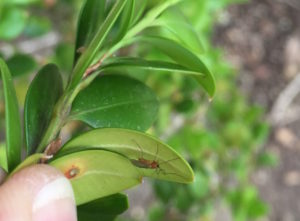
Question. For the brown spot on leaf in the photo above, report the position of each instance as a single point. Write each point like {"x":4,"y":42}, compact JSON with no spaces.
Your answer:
{"x":72,"y":173}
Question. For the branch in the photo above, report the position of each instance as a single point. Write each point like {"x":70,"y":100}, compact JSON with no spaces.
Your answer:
{"x":281,"y":110}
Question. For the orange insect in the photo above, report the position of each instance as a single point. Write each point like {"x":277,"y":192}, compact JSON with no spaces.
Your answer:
{"x":141,"y":162}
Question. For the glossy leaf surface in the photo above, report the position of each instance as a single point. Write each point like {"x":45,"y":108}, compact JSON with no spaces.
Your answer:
{"x":12,"y":119}
{"x":42,"y":95}
{"x":97,"y":173}
{"x":104,"y":209}
{"x":185,"y":58}
{"x":116,"y":101}
{"x":136,"y":146}
{"x":90,"y":19}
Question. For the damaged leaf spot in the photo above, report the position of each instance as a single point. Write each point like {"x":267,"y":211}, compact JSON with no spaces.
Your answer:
{"x":72,"y":173}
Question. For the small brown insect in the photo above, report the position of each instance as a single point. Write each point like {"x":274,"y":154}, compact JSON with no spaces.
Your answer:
{"x":141,"y":162}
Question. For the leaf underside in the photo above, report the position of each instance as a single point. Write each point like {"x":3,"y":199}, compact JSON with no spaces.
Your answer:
{"x":97,"y":173}
{"x":135,"y":146}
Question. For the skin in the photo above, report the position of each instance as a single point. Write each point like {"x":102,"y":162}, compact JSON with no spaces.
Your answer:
{"x":20,"y":196}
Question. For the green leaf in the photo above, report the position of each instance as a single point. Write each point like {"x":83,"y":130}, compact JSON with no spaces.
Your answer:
{"x":267,"y":159}
{"x":129,"y":62}
{"x":93,"y":48}
{"x":90,"y":19}
{"x":136,"y":145}
{"x":3,"y":157}
{"x":37,"y":26}
{"x":257,"y":208}
{"x":104,"y":209}
{"x":31,"y":160}
{"x":139,"y":8}
{"x":12,"y":119}
{"x":150,"y":17}
{"x":20,"y":2}
{"x":12,"y":22}
{"x":42,"y":95}
{"x":183,"y":33}
{"x":97,"y":173}
{"x":63,"y":56}
{"x":174,"y":25}
{"x":20,"y":64}
{"x":183,"y":57}
{"x":125,"y":20}
{"x":116,"y":101}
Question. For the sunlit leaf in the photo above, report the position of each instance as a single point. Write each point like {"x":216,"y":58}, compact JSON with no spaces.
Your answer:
{"x":97,"y":173}
{"x":137,"y":147}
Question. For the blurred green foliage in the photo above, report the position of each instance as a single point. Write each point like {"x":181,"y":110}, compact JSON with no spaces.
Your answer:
{"x":222,"y":139}
{"x":15,"y":19}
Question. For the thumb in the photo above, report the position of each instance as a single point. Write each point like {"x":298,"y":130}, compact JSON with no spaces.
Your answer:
{"x":37,"y":193}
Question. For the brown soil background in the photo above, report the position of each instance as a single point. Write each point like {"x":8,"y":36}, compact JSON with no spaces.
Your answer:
{"x":262,"y":39}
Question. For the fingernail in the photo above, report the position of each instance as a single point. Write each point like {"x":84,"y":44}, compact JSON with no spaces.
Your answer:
{"x":55,"y":201}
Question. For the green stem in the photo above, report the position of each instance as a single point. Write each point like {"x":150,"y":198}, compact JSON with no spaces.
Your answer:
{"x":58,"y":119}
{"x":88,"y":56}
{"x":76,"y":84}
{"x":61,"y":112}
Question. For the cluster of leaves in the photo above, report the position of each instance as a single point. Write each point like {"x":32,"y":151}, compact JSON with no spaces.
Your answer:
{"x":115,"y":153}
{"x":223,"y":139}
{"x":15,"y":19}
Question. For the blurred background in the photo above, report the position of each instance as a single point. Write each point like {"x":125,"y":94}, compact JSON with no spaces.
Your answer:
{"x":244,"y":145}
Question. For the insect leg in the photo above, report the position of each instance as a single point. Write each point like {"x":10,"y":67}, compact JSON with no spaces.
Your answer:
{"x":156,"y":153}
{"x":142,"y":153}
